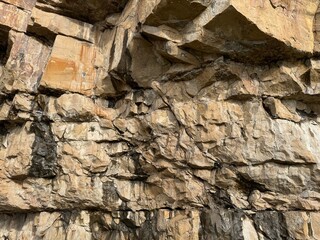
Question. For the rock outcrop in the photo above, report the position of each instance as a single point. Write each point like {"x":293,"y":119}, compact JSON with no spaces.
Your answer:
{"x":159,"y":119}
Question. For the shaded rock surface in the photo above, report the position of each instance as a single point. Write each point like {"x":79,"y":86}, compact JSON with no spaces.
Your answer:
{"x":159,"y":119}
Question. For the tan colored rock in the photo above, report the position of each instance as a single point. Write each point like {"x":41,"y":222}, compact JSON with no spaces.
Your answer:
{"x":14,"y":17}
{"x":278,"y":110}
{"x":159,"y":119}
{"x":80,"y":229}
{"x":84,"y":131}
{"x":25,"y":4}
{"x":162,"y":32}
{"x":176,"y":54}
{"x":314,"y":221}
{"x":104,"y":86}
{"x":310,"y":78}
{"x":5,"y":110}
{"x":249,"y":231}
{"x":316,"y":29}
{"x":19,"y":152}
{"x":27,"y":68}
{"x":91,"y":156}
{"x":265,"y":33}
{"x":75,"y":106}
{"x":297,"y":223}
{"x":23,"y":102}
{"x":71,"y":69}
{"x":288,"y":179}
{"x":176,"y":14}
{"x":62,"y":25}
{"x":144,"y":64}
{"x":7,"y":80}
{"x":132,"y":128}
{"x":284,"y":13}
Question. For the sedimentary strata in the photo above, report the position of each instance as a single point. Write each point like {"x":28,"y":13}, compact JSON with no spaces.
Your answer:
{"x":159,"y":119}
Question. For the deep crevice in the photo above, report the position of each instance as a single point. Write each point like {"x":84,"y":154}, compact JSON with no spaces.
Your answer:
{"x":4,"y":45}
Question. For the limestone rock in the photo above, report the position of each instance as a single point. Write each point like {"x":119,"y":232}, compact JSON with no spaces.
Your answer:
{"x":76,"y":65}
{"x":19,"y":152}
{"x":27,"y":68}
{"x":159,"y":119}
{"x":58,"y":24}
{"x":13,"y":17}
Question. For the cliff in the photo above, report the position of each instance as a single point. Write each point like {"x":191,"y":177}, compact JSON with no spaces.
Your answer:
{"x":159,"y":119}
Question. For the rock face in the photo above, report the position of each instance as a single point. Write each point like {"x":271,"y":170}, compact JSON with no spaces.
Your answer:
{"x":159,"y":119}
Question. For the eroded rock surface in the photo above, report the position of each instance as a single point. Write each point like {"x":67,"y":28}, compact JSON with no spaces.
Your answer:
{"x":159,"y":119}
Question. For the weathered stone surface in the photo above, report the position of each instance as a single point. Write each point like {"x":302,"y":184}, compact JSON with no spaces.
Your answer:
{"x":176,"y":13}
{"x":71,"y":69}
{"x":159,"y":119}
{"x":13,"y":17}
{"x":25,"y":4}
{"x":18,"y":159}
{"x":61,"y":25}
{"x":27,"y":60}
{"x":44,"y":151}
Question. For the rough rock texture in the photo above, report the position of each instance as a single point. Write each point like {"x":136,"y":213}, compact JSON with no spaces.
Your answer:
{"x":159,"y":119}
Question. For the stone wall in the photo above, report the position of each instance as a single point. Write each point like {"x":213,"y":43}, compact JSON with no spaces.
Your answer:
{"x":159,"y":119}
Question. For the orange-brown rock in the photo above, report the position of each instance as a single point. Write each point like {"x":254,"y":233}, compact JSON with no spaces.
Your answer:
{"x":71,"y":69}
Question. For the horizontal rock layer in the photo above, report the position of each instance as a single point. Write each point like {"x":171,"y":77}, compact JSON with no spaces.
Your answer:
{"x":157,"y":119}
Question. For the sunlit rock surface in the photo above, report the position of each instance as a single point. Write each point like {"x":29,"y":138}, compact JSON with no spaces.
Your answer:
{"x":159,"y":119}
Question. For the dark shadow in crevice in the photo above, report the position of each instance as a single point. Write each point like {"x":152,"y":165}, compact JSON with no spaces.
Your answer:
{"x":5,"y":47}
{"x":43,"y":34}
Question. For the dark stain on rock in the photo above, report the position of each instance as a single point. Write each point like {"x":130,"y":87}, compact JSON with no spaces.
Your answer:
{"x":44,"y":151}
{"x":221,"y":224}
{"x":148,"y":230}
{"x":140,"y":174}
{"x":271,"y":225}
{"x":110,"y":193}
{"x":66,"y":218}
{"x":222,"y":198}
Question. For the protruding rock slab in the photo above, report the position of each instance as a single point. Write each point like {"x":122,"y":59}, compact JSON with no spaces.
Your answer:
{"x":61,"y":25}
{"x":71,"y":68}
{"x":255,"y":31}
{"x":176,"y":13}
{"x":27,"y":59}
{"x":25,"y":4}
{"x":279,"y":18}
{"x":13,"y":17}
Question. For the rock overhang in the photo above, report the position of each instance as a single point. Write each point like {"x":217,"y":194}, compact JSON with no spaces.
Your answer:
{"x":243,"y":30}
